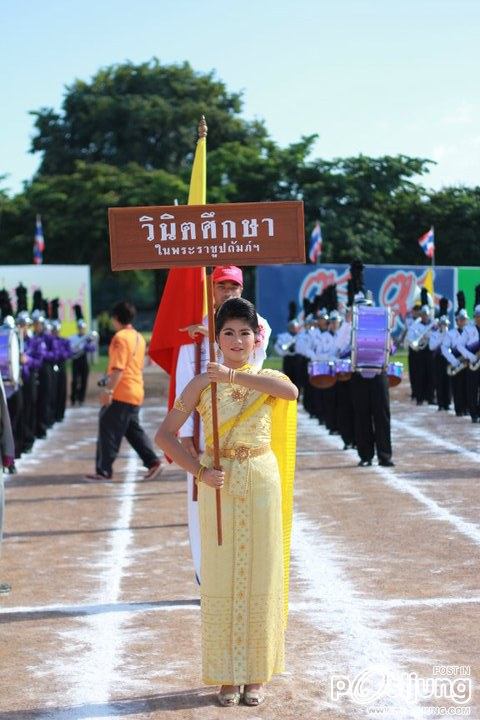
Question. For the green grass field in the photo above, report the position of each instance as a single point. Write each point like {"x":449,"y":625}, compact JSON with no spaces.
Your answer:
{"x":273,"y":362}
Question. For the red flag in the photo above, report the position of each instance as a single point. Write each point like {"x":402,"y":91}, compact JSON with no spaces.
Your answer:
{"x":182,"y":304}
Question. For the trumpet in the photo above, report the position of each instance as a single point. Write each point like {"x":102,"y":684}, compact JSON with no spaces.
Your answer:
{"x":464,"y":363}
{"x":453,"y":370}
{"x":421,"y":342}
{"x":474,"y":366}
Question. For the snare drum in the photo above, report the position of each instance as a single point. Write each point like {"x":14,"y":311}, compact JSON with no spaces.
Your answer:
{"x":394,"y":373}
{"x":370,"y":339}
{"x":9,"y":357}
{"x":343,"y":369}
{"x":321,"y":374}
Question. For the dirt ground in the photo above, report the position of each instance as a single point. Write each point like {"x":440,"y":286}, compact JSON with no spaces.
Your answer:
{"x":102,"y":620}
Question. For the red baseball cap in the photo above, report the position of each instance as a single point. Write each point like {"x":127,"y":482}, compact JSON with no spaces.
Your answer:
{"x":228,"y":272}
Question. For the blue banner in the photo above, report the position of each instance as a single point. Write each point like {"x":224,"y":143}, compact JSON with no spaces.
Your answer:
{"x":391,"y":285}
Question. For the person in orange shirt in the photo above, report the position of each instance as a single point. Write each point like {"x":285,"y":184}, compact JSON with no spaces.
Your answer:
{"x":121,"y":398}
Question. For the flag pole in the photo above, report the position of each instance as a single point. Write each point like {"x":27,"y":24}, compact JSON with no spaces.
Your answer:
{"x":202,"y":133}
{"x":213,"y":389}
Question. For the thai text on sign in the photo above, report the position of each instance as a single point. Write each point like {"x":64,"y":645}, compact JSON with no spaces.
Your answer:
{"x":176,"y":235}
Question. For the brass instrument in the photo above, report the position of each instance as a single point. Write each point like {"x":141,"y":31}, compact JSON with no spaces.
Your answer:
{"x":464,"y":363}
{"x":453,"y":370}
{"x":475,"y":348}
{"x":421,"y":342}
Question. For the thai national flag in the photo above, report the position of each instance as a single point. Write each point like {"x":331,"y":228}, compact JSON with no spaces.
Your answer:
{"x":427,"y":243}
{"x":315,"y":249}
{"x":38,"y":243}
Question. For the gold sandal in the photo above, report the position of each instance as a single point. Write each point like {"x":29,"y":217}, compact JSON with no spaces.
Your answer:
{"x":253,"y":697}
{"x":229,"y":699}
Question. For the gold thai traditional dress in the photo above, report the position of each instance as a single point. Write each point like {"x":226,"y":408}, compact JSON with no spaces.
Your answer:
{"x":244,"y":589}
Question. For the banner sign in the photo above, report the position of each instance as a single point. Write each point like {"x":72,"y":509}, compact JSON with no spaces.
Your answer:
{"x":468,"y":279}
{"x":390,"y":284}
{"x":193,"y":235}
{"x":69,"y":283}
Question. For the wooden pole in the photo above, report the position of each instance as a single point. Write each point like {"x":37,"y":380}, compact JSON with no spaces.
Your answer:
{"x":196,"y":417}
{"x":213,"y":388}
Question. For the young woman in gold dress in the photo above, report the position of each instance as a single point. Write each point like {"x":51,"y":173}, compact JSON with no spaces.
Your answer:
{"x":244,"y":589}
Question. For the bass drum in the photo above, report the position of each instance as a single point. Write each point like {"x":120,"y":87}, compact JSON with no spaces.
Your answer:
{"x":9,"y":357}
{"x":322,"y":374}
{"x":370,"y":339}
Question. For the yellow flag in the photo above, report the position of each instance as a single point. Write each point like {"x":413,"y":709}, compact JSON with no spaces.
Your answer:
{"x":197,"y":194}
{"x":428,"y":283}
{"x":198,"y":181}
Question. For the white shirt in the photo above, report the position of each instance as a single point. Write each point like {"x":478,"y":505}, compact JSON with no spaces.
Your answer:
{"x":416,"y":329}
{"x":469,"y":337}
{"x":324,"y":347}
{"x":436,"y":339}
{"x":305,"y":341}
{"x":186,"y":365}
{"x":343,"y":338}
{"x":283,"y":342}
{"x":450,"y":343}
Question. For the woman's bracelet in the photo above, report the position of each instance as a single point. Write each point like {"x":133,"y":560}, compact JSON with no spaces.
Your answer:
{"x":200,"y":473}
{"x":231,"y":376}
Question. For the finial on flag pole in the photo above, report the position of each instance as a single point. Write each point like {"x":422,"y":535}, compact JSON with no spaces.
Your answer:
{"x":202,"y":127}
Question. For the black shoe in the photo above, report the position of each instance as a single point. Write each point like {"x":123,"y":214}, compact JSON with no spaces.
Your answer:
{"x":386,"y":463}
{"x":364,"y":463}
{"x":346,"y":446}
{"x":419,"y":402}
{"x":475,"y":420}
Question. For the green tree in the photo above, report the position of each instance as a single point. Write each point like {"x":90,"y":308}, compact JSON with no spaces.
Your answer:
{"x":143,"y":113}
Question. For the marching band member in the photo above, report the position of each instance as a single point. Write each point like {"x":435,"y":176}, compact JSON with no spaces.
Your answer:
{"x":82,"y":347}
{"x":40,"y":349}
{"x":345,"y":421}
{"x":371,"y":404}
{"x":285,"y":348}
{"x":62,"y":352}
{"x":327,"y":349}
{"x":411,"y":320}
{"x":30,"y":362}
{"x":417,"y":336}
{"x":471,"y":338}
{"x":304,"y":348}
{"x":442,"y":379}
{"x":459,"y":381}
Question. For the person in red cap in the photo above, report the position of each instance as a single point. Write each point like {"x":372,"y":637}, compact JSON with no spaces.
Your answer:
{"x":227,"y":283}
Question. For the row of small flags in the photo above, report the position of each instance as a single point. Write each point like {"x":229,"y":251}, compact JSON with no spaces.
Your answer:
{"x":426,"y":242}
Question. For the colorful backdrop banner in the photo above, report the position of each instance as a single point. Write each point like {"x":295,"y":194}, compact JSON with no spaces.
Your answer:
{"x":391,"y":285}
{"x":69,"y":283}
{"x":468,"y":279}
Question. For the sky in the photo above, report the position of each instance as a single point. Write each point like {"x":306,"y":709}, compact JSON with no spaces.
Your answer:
{"x":368,"y":76}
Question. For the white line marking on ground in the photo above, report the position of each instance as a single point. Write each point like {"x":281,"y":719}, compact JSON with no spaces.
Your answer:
{"x":393,"y":603}
{"x":390,"y":478}
{"x":464,"y":527}
{"x":432,"y":439}
{"x":96,"y":646}
{"x":335,"y":607}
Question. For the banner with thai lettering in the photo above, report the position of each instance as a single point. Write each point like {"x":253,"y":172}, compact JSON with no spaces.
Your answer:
{"x":194,"y":235}
{"x":69,"y":283}
{"x":391,"y":285}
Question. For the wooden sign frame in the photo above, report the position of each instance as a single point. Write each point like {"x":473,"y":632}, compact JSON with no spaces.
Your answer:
{"x":167,"y":236}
